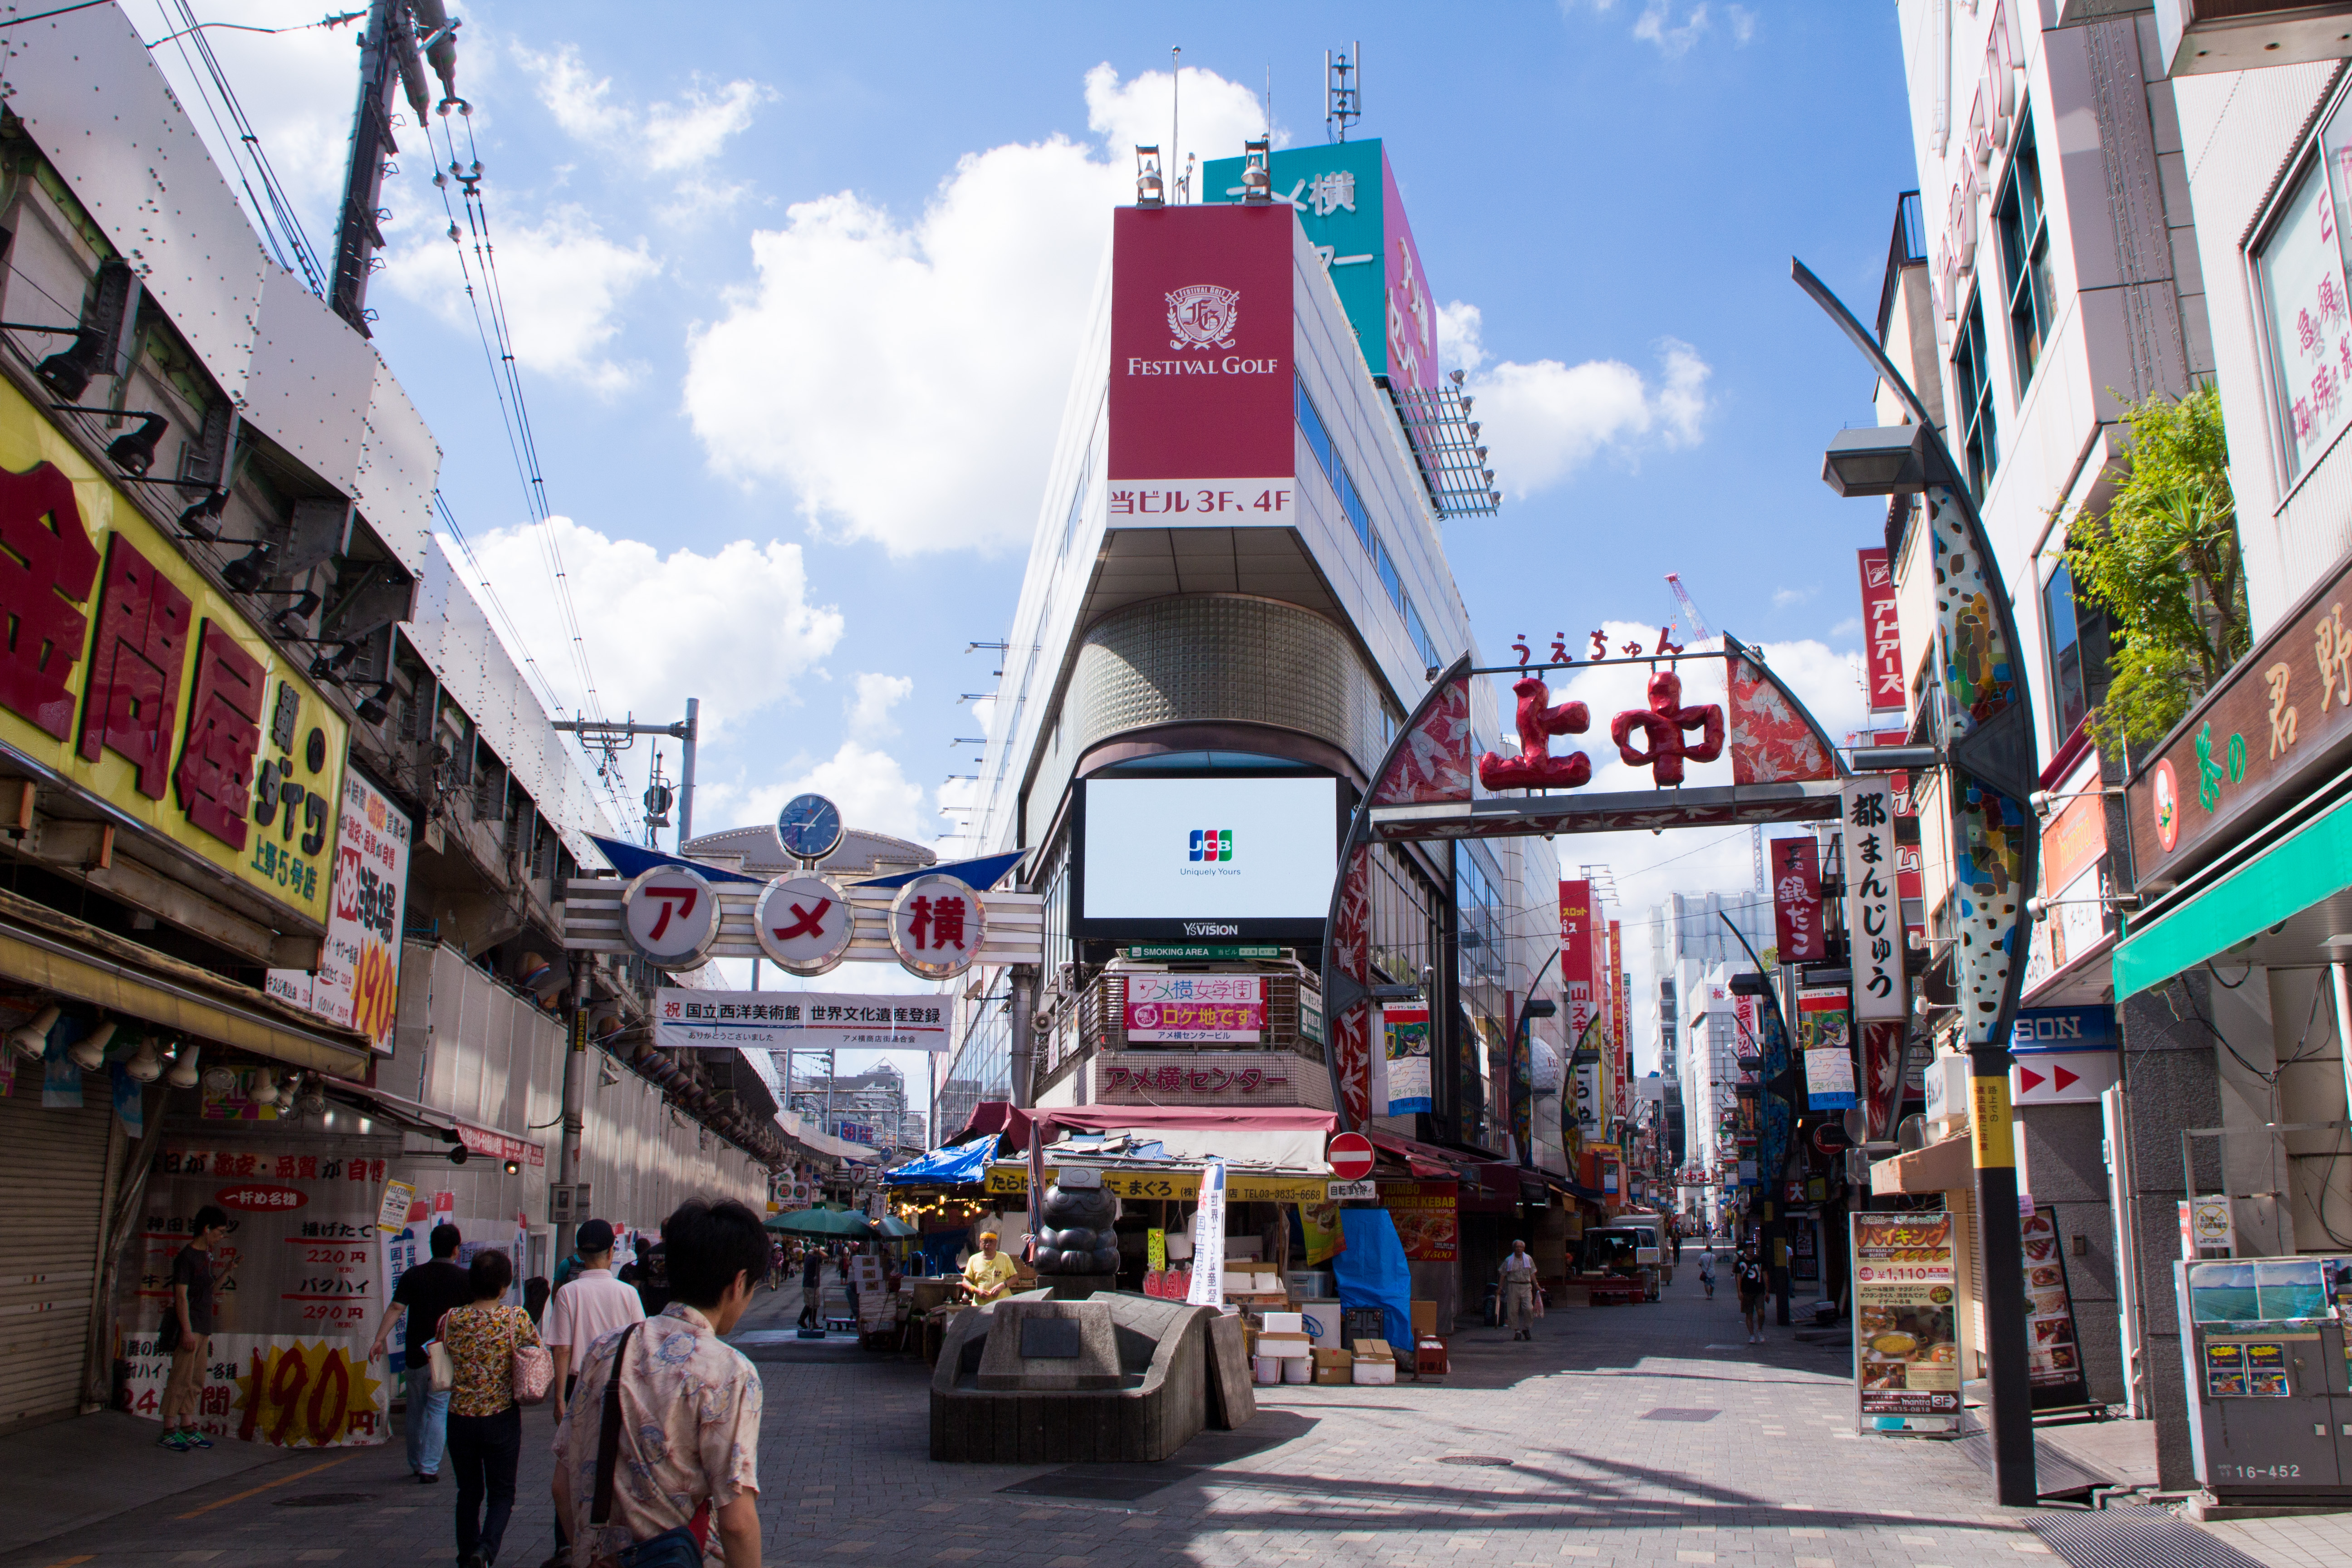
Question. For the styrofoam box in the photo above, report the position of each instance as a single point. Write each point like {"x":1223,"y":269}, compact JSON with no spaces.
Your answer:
{"x":1321,"y":1321}
{"x":1375,"y":1373}
{"x":1269,"y":1370}
{"x":1284,"y":1322}
{"x":1240,"y":1284}
{"x":1297,"y":1369}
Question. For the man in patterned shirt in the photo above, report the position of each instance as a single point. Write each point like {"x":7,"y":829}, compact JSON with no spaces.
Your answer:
{"x":694,"y":1395}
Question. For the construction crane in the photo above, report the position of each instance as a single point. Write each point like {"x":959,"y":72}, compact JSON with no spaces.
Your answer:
{"x":1690,"y":611}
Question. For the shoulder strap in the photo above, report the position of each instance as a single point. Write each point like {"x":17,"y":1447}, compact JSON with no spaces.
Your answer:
{"x":608,"y":1433}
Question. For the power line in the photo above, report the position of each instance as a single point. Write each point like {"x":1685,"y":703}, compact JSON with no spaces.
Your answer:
{"x":272,"y":209}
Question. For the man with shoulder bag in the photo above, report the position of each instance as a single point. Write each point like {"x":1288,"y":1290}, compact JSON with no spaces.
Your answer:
{"x":657,"y":1458}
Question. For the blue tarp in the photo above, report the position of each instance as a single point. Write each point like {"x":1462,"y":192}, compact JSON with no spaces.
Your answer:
{"x":1371,"y":1272}
{"x":946,"y":1167}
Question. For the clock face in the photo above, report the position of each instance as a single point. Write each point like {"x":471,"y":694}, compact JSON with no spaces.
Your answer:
{"x":809,"y":828}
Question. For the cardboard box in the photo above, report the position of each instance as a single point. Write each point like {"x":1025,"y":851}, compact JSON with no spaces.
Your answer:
{"x":1335,"y":1377}
{"x":1373,"y":1349}
{"x":1321,"y":1320}
{"x":1333,"y":1357}
{"x":1424,"y":1318}
{"x":1373,"y":1374}
{"x":1284,"y":1345}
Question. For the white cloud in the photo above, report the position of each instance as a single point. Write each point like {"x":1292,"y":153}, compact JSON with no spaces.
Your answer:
{"x":658,"y":138}
{"x":563,"y":281}
{"x":1655,"y":26}
{"x":1544,"y":420}
{"x":873,"y":696}
{"x":738,"y":630}
{"x":1784,"y":597}
{"x":956,"y":330}
{"x":1849,"y":628}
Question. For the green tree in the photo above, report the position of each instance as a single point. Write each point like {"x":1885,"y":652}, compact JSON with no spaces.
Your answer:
{"x":2163,"y":561}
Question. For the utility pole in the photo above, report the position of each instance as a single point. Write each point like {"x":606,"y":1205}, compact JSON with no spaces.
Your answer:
{"x":390,"y":52}
{"x":592,"y":730}
{"x":575,"y":1100}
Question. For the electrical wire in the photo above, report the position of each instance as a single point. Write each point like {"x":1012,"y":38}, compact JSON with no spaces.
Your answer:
{"x":335,"y":21}
{"x":60,"y":11}
{"x":485,"y":300}
{"x":273,"y":210}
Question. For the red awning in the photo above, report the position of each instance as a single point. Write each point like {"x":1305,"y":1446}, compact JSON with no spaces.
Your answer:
{"x":487,"y":1142}
{"x":1424,"y":1160}
{"x":1012,"y":1121}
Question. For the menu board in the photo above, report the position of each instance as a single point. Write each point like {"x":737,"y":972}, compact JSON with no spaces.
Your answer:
{"x":1428,"y":1218}
{"x":1907,"y":1352}
{"x":2053,"y":1355}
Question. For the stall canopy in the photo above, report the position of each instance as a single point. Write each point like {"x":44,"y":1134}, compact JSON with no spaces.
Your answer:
{"x":1284,"y":1137}
{"x":1425,"y":1161}
{"x":950,"y":1167}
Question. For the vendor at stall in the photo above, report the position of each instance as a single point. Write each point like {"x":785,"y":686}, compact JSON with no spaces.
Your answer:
{"x":988,"y":1273}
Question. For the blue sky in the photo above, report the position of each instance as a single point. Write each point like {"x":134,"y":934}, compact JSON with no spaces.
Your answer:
{"x":793,"y":295}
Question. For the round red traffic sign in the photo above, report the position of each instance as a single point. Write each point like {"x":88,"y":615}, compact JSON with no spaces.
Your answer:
{"x":1351,"y":1154}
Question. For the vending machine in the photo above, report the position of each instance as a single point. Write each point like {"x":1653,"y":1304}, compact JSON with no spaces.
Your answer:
{"x":2270,"y":1405}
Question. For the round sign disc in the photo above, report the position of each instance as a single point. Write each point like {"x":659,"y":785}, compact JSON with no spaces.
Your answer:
{"x":809,"y":828}
{"x":804,"y":922}
{"x":1351,"y":1154}
{"x":670,"y":917}
{"x":936,"y":927}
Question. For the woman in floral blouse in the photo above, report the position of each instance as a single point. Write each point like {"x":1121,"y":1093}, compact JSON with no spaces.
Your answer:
{"x":485,"y":1422}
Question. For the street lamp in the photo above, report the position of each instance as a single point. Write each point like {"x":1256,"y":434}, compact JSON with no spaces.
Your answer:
{"x":1980,"y":721}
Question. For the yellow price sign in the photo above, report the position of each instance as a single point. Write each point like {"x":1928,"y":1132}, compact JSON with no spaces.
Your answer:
{"x":1995,"y":1146}
{"x":1176,"y":1186}
{"x":129,"y":673}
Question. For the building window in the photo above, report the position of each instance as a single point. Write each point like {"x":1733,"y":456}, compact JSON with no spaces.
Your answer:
{"x":2078,"y":651}
{"x":2025,"y":258}
{"x":2299,"y":262}
{"x":1970,"y":370}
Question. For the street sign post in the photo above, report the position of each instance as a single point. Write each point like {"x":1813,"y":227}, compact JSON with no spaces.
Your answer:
{"x":1351,"y":1154}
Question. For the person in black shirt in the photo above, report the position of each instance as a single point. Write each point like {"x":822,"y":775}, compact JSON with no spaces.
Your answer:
{"x":187,"y":1328}
{"x":424,"y":1293}
{"x":812,"y":1288}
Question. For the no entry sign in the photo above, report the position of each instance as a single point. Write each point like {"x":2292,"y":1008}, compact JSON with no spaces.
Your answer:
{"x":1351,"y":1154}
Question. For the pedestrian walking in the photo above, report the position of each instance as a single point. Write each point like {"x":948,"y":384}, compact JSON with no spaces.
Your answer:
{"x":1752,"y":1287}
{"x":812,"y":1288}
{"x":188,"y":1330}
{"x":424,"y":1293}
{"x":593,"y":1305}
{"x":1706,"y":1271}
{"x":1520,"y":1290}
{"x":483,"y":1339}
{"x":650,"y":1275}
{"x":680,"y":1407}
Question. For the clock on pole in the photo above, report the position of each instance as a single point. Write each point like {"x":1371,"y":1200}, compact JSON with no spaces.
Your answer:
{"x":809,"y":828}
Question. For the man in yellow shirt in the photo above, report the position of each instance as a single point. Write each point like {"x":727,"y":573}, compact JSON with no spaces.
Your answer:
{"x":989,"y":1274}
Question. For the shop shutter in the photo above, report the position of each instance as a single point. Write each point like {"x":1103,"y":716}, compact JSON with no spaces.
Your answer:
{"x":53,"y":1168}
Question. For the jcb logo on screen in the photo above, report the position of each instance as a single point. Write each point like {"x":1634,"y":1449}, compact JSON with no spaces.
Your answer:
{"x":1211,"y":844}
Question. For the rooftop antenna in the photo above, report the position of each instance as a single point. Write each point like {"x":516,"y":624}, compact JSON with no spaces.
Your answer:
{"x":1344,"y":74}
{"x":1269,"y":99}
{"x":1176,"y":114}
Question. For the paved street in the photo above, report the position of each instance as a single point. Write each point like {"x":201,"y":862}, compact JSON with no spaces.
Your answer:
{"x":1623,"y":1435}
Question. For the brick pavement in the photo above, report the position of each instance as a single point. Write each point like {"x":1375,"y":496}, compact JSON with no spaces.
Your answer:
{"x":1772,"y":1476}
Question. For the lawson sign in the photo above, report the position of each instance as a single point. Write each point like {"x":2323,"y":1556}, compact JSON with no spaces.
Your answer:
{"x":2047,"y":1029}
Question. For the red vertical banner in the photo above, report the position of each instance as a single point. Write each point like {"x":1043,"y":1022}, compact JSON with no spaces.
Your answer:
{"x":1576,"y":958}
{"x":1882,"y":631}
{"x":1796,"y":899}
{"x":1623,"y":1096}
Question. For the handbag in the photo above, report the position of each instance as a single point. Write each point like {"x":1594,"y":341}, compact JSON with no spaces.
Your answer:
{"x":440,"y":1369}
{"x":533,"y":1371}
{"x":680,"y":1546}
